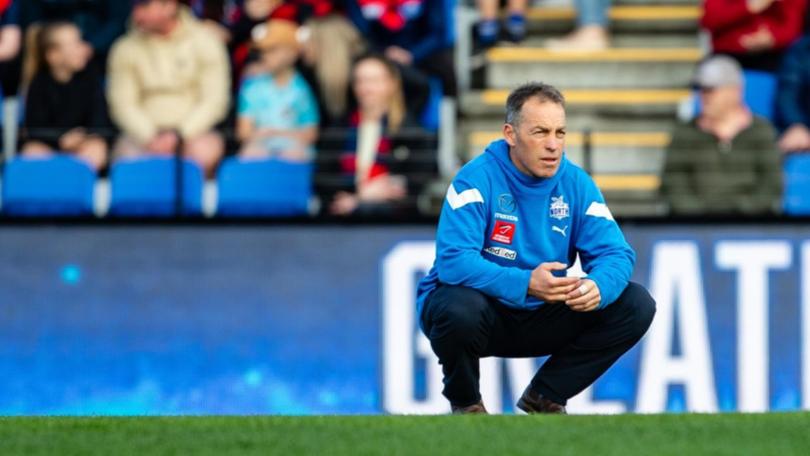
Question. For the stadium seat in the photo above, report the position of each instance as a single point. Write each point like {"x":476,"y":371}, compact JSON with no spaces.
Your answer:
{"x":263,"y":188}
{"x":58,"y":186}
{"x":797,"y":184}
{"x":146,"y":188}
{"x":760,"y":93}
{"x":430,"y":115}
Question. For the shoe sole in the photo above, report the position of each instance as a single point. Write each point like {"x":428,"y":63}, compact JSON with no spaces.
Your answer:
{"x":523,"y":405}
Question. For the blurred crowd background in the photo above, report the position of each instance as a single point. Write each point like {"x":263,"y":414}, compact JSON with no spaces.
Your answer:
{"x":367,"y":108}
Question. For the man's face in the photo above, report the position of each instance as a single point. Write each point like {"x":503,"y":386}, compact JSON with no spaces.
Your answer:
{"x":718,"y":101}
{"x":154,"y":16}
{"x":538,"y":140}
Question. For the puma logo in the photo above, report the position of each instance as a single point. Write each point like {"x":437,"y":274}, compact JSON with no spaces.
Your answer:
{"x":560,"y":230}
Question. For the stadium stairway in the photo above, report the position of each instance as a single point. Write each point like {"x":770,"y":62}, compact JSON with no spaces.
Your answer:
{"x":622,"y":101}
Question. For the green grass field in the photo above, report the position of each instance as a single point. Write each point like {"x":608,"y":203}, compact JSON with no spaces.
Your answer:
{"x":727,"y":434}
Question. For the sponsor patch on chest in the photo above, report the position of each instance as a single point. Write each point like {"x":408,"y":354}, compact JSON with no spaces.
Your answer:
{"x":503,"y":232}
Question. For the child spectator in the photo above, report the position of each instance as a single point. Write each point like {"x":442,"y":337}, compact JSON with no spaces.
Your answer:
{"x":169,"y":85}
{"x":329,"y":44}
{"x":793,"y":98}
{"x":755,"y":32}
{"x":277,"y":112}
{"x":378,"y":166}
{"x":65,"y":111}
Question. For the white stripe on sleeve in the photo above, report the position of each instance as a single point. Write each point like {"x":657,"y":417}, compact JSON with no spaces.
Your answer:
{"x":599,"y":210}
{"x":459,"y":200}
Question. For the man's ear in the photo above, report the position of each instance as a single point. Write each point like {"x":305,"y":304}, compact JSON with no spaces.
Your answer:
{"x":509,"y":134}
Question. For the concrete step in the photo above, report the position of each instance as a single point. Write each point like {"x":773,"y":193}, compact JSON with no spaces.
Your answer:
{"x":620,"y":40}
{"x":632,"y":102}
{"x":576,"y":123}
{"x":669,"y":17}
{"x":636,"y":2}
{"x":652,"y":207}
{"x":628,"y":182}
{"x":615,"y":68}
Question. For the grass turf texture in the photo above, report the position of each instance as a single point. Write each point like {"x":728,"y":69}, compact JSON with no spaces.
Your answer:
{"x":726,"y":434}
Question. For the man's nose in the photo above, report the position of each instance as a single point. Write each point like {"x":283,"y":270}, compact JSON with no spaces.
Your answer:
{"x":553,"y":144}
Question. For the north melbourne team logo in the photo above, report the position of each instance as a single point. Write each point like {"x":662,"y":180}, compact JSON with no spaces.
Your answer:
{"x":559,"y":208}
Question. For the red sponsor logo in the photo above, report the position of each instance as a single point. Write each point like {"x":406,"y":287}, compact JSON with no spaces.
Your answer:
{"x":503,"y":232}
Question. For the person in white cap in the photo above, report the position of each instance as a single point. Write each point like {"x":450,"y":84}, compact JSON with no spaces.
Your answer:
{"x":724,"y":162}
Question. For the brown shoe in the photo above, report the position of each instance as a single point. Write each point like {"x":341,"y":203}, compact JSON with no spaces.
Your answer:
{"x":533,"y":402}
{"x":475,"y":409}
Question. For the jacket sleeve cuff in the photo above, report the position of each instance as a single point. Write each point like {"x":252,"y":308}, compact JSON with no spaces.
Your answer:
{"x":518,"y":286}
{"x":609,"y":294}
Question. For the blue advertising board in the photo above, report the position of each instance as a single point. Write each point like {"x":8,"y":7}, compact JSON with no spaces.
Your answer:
{"x":320,"y":320}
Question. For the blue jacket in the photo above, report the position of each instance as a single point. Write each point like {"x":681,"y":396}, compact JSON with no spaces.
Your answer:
{"x":793,"y":96}
{"x":498,"y":224}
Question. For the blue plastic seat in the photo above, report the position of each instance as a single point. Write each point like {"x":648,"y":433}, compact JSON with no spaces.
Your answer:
{"x":263,"y":188}
{"x":760,"y":93}
{"x":431,"y":115}
{"x":53,"y":187}
{"x":797,"y":184}
{"x":145,"y":187}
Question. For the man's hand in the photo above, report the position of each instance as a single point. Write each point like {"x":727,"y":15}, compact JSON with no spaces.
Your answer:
{"x":758,"y":6}
{"x":545,"y":286}
{"x":344,"y":204}
{"x":71,"y":140}
{"x":399,"y":55}
{"x":584,"y":298}
{"x":760,"y":40}
{"x":795,"y":139}
{"x":382,"y":188}
{"x":165,"y":143}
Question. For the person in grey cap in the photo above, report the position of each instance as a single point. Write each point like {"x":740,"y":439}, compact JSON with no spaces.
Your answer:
{"x":724,"y":162}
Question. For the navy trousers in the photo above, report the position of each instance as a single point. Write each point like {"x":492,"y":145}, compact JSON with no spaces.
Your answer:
{"x":464,"y":325}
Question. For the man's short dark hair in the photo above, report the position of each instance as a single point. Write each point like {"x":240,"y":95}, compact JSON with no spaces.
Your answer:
{"x":543,"y":92}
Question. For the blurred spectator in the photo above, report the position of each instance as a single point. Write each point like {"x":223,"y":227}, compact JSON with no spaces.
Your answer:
{"x":65,"y":109}
{"x":330,"y":43}
{"x":10,"y":41}
{"x":793,"y":98}
{"x":414,"y":34}
{"x":378,"y":165}
{"x":726,"y":160}
{"x":755,"y":32}
{"x":100,"y":21}
{"x":210,"y":10}
{"x":488,"y":29}
{"x":168,"y":84}
{"x":213,"y":14}
{"x":277,"y":112}
{"x":591,"y":33}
